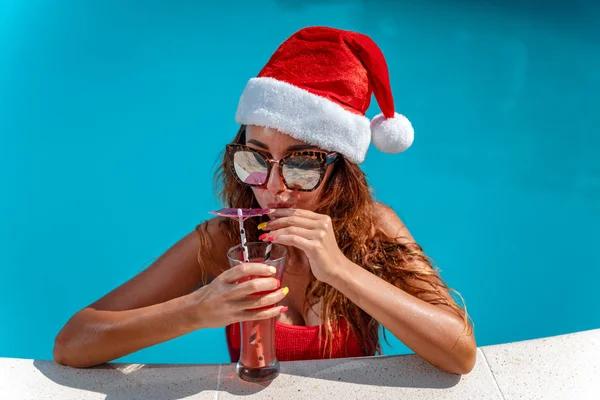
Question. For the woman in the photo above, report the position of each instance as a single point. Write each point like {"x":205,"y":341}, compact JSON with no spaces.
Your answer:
{"x":352,"y":264}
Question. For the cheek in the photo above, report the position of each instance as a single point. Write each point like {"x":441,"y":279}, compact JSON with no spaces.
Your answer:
{"x":258,"y":194}
{"x":309,"y":200}
{"x":304,"y":200}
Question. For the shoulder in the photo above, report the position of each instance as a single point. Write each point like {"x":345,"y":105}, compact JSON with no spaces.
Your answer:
{"x":214,"y":226}
{"x":388,"y":223}
{"x":425,"y":283}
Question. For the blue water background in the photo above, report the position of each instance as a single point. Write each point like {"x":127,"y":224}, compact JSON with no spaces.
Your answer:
{"x":112,"y":115}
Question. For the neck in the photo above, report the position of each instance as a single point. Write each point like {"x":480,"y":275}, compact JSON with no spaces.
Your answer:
{"x":297,"y":262}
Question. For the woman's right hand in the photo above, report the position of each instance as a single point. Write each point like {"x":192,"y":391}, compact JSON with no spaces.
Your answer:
{"x":232,"y":296}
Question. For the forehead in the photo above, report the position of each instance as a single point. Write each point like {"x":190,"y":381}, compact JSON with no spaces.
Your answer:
{"x":273,"y":137}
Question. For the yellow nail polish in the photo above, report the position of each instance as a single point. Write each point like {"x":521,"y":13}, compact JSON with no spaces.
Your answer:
{"x":272,"y":270}
{"x":286,"y":290}
{"x":262,"y":225}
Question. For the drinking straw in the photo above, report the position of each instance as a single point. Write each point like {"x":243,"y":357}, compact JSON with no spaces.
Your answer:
{"x":243,"y":234}
{"x":268,"y":251}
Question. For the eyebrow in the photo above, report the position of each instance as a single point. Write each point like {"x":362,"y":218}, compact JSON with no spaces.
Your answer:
{"x":290,"y":148}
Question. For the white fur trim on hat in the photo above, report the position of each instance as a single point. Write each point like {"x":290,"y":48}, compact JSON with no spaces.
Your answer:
{"x":392,"y":135}
{"x":305,"y":116}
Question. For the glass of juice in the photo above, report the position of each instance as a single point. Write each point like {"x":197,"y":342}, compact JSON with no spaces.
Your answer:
{"x":258,"y":361}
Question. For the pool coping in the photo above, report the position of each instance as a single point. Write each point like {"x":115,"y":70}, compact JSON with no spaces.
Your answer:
{"x":557,"y":367}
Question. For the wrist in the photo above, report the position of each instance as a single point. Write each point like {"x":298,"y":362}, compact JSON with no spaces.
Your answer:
{"x":340,"y":275}
{"x":190,"y":311}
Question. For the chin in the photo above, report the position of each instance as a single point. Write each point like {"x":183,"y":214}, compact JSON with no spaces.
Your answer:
{"x":281,"y":205}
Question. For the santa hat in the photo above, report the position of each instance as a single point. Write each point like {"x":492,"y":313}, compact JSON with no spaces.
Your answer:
{"x":317,"y":87}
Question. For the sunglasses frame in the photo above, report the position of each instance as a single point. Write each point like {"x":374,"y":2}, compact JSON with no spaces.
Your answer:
{"x":324,"y":159}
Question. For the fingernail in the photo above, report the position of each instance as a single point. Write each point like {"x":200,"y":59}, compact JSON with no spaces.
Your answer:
{"x":262,"y":226}
{"x":270,"y":238}
{"x":278,"y":283}
{"x":272,"y":210}
{"x":284,"y":309}
{"x":272,"y":270}
{"x":262,"y":237}
{"x":286,"y":290}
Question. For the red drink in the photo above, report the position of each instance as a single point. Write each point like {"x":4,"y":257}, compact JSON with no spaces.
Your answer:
{"x":254,"y":354}
{"x":258,"y":360}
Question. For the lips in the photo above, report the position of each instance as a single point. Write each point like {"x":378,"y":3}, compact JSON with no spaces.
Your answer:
{"x":279,"y":205}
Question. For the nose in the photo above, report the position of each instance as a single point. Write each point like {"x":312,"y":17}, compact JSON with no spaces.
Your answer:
{"x":275,"y":182}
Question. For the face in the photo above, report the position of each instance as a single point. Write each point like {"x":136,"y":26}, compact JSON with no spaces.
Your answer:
{"x":276,"y":145}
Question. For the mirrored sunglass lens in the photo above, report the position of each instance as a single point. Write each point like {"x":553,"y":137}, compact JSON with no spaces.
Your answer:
{"x":250,"y":167}
{"x":302,"y":172}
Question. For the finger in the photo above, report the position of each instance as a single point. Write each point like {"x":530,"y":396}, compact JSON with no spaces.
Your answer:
{"x":287,"y":212}
{"x":251,"y":303}
{"x":257,"y":285}
{"x":294,"y":220}
{"x":299,"y":242}
{"x":263,"y":314}
{"x":244,"y":270}
{"x":310,"y":234}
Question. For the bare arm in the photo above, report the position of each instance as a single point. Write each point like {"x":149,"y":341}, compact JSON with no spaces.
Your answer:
{"x":152,"y":307}
{"x":433,"y":331}
{"x":412,"y":301}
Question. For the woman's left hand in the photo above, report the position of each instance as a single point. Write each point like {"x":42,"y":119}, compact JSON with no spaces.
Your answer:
{"x":311,"y":233}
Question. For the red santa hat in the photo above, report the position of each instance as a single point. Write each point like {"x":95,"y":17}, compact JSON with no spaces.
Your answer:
{"x":317,"y":87}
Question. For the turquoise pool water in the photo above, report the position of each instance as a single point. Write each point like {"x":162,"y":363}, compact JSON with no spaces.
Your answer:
{"x":112,"y":115}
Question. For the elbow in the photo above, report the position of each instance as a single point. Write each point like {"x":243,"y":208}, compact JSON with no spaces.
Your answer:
{"x":64,"y":354}
{"x":464,"y":351}
{"x":60,"y":352}
{"x":460,"y":360}
{"x":59,"y":356}
{"x":465,"y":357}
{"x":466,"y":365}
{"x":68,"y":349}
{"x":63,"y":351}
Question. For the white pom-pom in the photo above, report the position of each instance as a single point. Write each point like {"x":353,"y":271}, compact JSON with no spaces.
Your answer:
{"x":392,"y":135}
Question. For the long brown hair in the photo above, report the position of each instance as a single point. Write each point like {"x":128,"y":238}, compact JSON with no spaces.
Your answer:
{"x":348,"y":201}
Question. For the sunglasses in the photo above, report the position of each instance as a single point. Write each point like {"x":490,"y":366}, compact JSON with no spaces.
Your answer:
{"x":302,"y":171}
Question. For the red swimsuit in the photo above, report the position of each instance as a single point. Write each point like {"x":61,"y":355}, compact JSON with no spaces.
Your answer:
{"x":293,"y":342}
